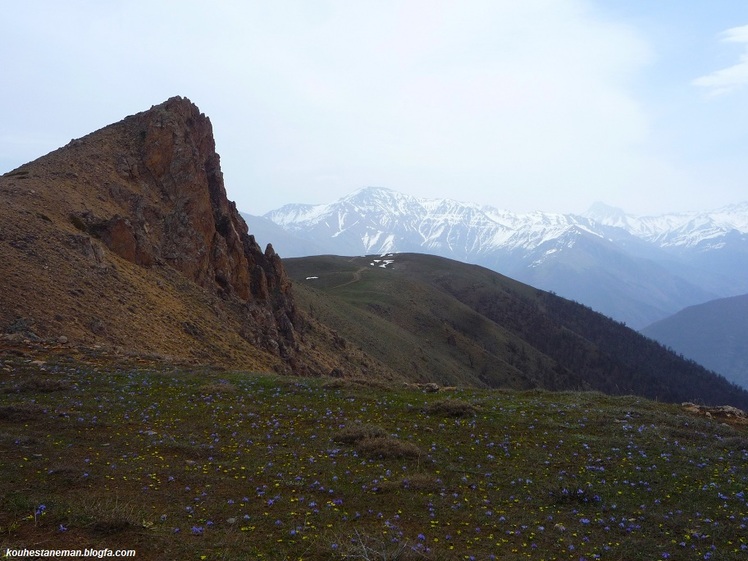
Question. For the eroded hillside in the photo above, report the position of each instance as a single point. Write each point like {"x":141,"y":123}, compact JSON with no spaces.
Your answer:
{"x":125,"y":240}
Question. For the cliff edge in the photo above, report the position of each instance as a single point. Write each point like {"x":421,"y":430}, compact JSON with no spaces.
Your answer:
{"x":125,"y":238}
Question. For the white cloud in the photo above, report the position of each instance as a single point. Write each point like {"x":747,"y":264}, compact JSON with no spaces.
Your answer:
{"x":525,"y":104}
{"x":733,"y":77}
{"x":437,"y":96}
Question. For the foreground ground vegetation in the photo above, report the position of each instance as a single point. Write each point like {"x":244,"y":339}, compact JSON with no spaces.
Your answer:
{"x":188,"y":463}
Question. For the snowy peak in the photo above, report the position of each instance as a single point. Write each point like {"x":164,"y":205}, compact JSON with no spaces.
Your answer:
{"x":384,"y":220}
{"x":378,"y":197}
{"x":607,"y":215}
{"x":702,"y":230}
{"x":635,"y":269}
{"x":377,"y":219}
{"x":291,"y":214}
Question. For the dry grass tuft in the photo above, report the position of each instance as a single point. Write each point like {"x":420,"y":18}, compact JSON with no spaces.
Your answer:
{"x":451,"y":408}
{"x":387,"y":448}
{"x":107,"y":515}
{"x":40,"y":385}
{"x":372,"y":548}
{"x":357,"y":433}
{"x":218,"y":387}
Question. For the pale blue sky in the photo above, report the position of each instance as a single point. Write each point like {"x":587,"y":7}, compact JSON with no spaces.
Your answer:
{"x":538,"y":104}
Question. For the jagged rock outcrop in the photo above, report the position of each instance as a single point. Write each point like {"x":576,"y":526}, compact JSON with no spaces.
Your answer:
{"x":173,"y":210}
{"x":149,"y":189}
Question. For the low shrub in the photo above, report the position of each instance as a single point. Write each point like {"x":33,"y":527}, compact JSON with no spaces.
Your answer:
{"x":356,"y":433}
{"x":451,"y":408}
{"x":386,"y":448}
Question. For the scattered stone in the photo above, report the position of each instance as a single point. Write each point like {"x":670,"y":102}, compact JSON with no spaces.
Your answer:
{"x":722,"y":412}
{"x":429,"y":387}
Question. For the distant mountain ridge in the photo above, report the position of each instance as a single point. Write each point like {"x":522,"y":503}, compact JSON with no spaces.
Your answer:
{"x":714,"y":334}
{"x":634,"y":269}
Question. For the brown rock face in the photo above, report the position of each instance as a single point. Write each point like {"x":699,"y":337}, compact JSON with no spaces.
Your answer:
{"x":150,"y":190}
{"x":175,"y":209}
{"x":192,"y":226}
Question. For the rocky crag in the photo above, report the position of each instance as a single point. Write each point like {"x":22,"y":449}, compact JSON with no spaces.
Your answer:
{"x":125,"y":239}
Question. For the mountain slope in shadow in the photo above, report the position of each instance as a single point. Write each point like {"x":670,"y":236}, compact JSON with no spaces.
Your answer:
{"x":433,"y":319}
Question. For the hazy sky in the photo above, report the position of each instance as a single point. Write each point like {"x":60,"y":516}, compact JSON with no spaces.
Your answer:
{"x":521,"y":104}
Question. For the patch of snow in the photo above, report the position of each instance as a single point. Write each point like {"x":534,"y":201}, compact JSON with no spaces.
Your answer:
{"x":382,"y":262}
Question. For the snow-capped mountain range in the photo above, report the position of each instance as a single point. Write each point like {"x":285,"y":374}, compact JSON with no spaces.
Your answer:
{"x":634,"y":269}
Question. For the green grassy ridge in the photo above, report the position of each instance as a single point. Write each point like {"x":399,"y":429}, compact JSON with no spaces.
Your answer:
{"x":416,"y":328}
{"x":199,"y":464}
{"x":466,"y":325}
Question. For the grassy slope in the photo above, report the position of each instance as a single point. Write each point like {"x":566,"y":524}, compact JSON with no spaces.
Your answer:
{"x":195,"y":464}
{"x":433,"y":318}
{"x":414,"y":326}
